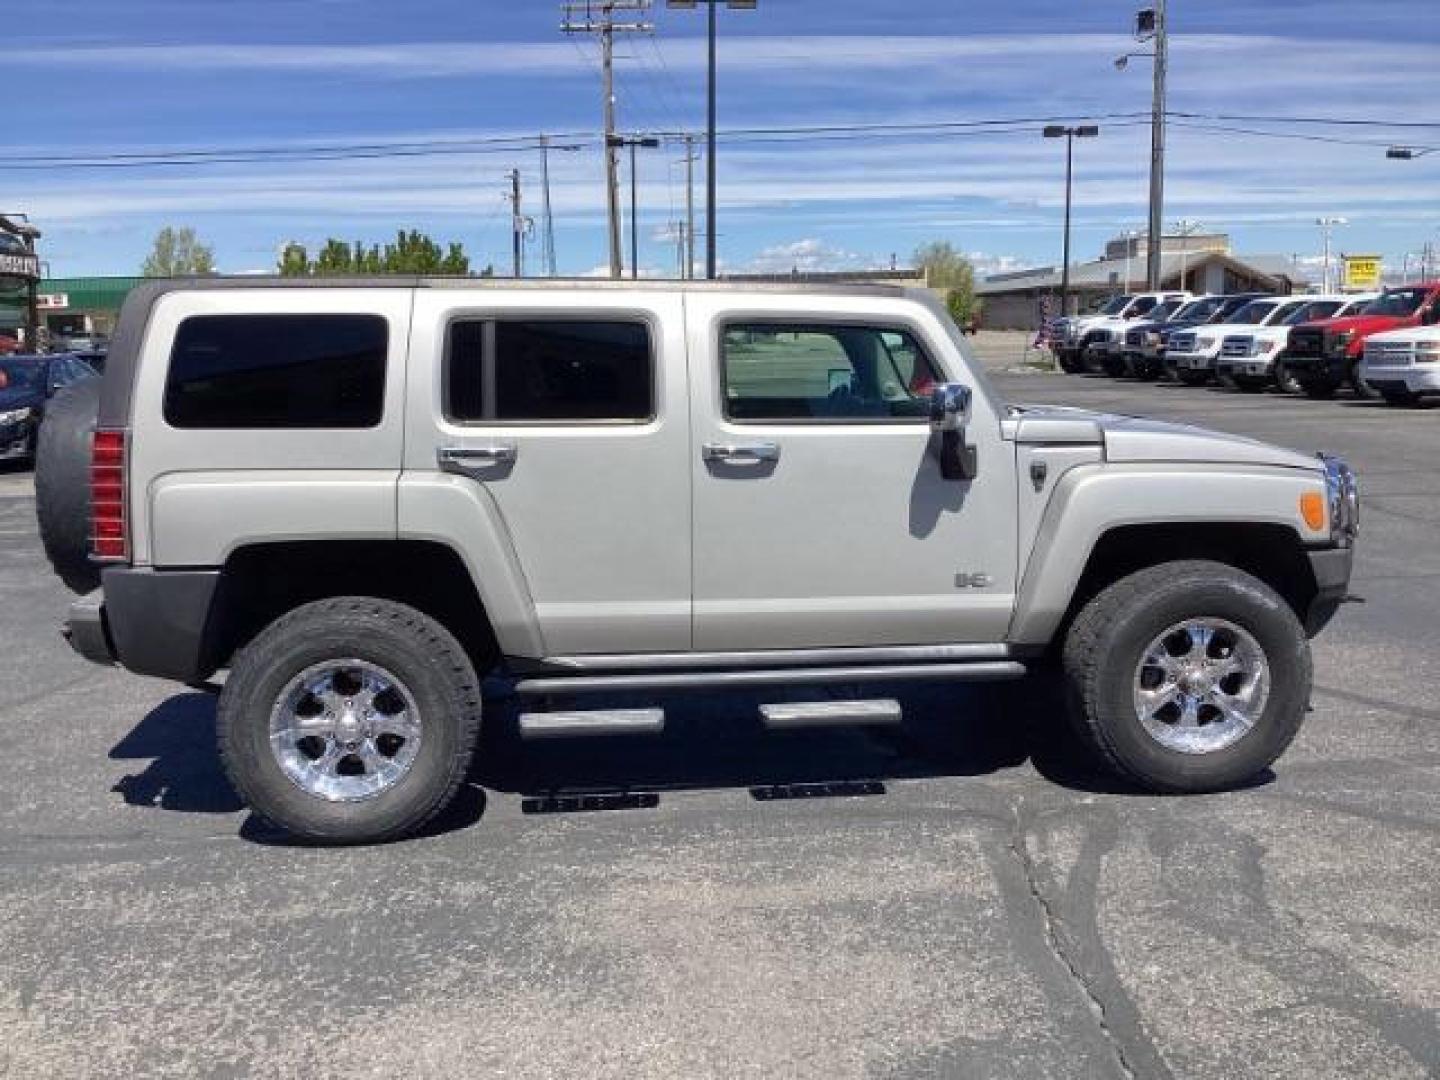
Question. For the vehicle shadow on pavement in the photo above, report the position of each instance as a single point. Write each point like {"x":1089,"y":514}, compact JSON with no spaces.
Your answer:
{"x":184,"y":774}
{"x":713,"y":742}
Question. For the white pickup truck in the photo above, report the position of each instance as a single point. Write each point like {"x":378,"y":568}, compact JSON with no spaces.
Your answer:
{"x":358,"y":498}
{"x":1192,"y":354}
{"x":1255,"y":359}
{"x":1089,"y":339}
{"x":1403,"y":365}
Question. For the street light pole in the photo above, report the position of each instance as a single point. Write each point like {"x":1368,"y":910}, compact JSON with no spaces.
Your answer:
{"x":1056,"y":131}
{"x":649,"y":142}
{"x":1326,"y":225}
{"x":710,"y":168}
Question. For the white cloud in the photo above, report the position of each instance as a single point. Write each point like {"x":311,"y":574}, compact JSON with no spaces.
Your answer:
{"x":809,"y":255}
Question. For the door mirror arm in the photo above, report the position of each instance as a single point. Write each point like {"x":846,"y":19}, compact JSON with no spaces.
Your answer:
{"x":950,"y":405}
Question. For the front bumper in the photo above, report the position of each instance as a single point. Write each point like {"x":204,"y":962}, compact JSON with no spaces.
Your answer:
{"x":1331,"y":567}
{"x":1332,"y":368}
{"x":1252,"y":367}
{"x":152,"y":622}
{"x":1191,"y":361}
{"x":1419,"y":378}
{"x":17,"y":440}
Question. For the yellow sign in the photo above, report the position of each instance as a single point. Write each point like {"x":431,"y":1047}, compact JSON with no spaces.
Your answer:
{"x":1362,"y":271}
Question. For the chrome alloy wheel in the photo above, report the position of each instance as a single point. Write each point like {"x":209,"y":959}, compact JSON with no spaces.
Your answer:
{"x":1201,"y":685}
{"x":345,"y":730}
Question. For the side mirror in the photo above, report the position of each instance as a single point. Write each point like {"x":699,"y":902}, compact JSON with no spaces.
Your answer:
{"x":949,"y":416}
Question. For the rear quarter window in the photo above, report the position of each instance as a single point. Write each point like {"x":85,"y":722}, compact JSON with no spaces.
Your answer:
{"x":277,"y":371}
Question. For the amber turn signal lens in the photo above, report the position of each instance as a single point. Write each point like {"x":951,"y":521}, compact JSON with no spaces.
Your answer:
{"x":1312,"y":509}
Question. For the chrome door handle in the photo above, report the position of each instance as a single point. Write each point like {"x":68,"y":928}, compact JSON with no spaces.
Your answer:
{"x":468,"y":460}
{"x":740,"y":453}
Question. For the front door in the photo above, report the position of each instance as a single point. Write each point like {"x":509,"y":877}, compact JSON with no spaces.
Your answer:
{"x":821,"y":517}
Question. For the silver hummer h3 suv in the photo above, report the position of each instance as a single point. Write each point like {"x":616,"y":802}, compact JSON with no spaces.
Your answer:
{"x":360,"y":498}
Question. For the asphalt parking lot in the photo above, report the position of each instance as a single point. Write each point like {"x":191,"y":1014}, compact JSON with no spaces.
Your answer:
{"x":953,"y":900}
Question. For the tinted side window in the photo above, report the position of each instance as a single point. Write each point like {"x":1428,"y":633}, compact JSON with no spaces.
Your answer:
{"x":277,"y":371}
{"x":550,"y":370}
{"x":796,"y":372}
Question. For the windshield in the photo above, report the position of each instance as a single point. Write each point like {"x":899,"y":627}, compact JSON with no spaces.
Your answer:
{"x":19,"y":374}
{"x":1115,"y":306}
{"x":1165,"y":311}
{"x":1398,"y":303}
{"x":1313,"y":312}
{"x":1253,"y":313}
{"x":1283,"y":311}
{"x":1198,"y":310}
{"x":1229,"y":306}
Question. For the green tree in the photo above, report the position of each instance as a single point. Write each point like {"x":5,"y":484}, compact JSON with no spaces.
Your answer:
{"x":177,"y":253}
{"x":412,"y":253}
{"x":950,"y":271}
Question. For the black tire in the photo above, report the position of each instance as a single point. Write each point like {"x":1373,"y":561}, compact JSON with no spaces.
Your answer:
{"x":1191,"y":377}
{"x":413,"y":646}
{"x":1319,"y":389}
{"x":62,"y":483}
{"x":1068,"y":362}
{"x":1401,"y":398}
{"x":1103,"y":650}
{"x":1285,"y":380}
{"x":1363,"y":390}
{"x":1227,"y":380}
{"x":1148,"y":370}
{"x":1115,"y":366}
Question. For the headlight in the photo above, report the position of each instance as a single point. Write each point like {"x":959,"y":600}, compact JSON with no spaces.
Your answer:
{"x":1340,"y":342}
{"x":1427,"y":352}
{"x":1152,"y":338}
{"x":1342,"y":490}
{"x":14,"y":416}
{"x":1262,"y":347}
{"x":1205,"y":343}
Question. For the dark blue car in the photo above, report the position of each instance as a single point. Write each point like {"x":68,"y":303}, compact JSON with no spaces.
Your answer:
{"x":26,"y":384}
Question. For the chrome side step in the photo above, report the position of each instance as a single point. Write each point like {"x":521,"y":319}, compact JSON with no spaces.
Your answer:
{"x":804,"y":714}
{"x":566,"y":725}
{"x":990,"y":671}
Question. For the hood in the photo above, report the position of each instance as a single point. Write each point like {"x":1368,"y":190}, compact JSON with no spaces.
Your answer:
{"x":1362,"y":325}
{"x":13,"y":397}
{"x":1139,"y":439}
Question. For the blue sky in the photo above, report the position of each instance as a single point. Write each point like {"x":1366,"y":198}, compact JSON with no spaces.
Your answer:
{"x":116,"y":76}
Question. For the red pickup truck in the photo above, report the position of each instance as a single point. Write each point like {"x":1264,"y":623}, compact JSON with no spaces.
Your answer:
{"x":1324,"y":356}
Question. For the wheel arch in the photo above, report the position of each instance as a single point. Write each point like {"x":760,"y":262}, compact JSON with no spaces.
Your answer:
{"x":262,"y":581}
{"x":1112,"y":521}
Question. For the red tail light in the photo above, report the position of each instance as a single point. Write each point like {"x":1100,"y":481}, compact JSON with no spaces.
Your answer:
{"x":110,"y":537}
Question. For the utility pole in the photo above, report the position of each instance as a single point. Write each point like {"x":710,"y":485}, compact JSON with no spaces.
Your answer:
{"x":1157,"y":150}
{"x":1150,"y":26}
{"x":598,"y":17}
{"x":517,"y":224}
{"x":549,"y":252}
{"x":1327,"y":224}
{"x":687,"y":270}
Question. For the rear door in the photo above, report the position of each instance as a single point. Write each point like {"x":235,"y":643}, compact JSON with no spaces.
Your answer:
{"x":561,"y":417}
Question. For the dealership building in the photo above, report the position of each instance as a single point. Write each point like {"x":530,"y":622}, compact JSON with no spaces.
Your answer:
{"x":70,"y":307}
{"x":1198,"y":263}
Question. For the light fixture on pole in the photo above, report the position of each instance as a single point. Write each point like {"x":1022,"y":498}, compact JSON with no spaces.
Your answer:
{"x":710,"y":183}
{"x":1409,"y":153}
{"x":649,"y":142}
{"x":1150,"y":26}
{"x":1327,"y":225}
{"x":1069,"y":134}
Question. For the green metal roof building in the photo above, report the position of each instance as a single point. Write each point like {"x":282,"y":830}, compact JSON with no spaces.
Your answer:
{"x":71,"y":305}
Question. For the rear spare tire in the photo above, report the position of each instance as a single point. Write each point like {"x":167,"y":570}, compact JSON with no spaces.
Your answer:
{"x":62,"y":483}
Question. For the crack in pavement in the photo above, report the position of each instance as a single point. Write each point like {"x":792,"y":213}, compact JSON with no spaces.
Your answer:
{"x":1058,"y":945}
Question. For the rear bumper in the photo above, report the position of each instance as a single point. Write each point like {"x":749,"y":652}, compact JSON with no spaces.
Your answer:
{"x":1331,"y":567}
{"x":152,"y":622}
